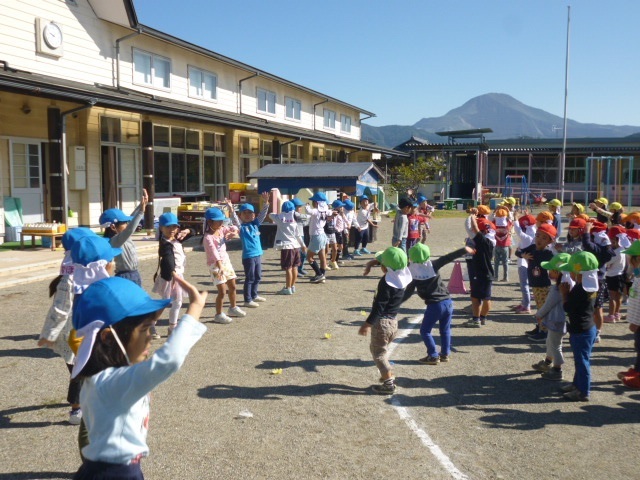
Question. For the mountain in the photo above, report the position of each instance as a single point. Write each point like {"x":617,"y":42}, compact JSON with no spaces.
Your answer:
{"x":506,"y":116}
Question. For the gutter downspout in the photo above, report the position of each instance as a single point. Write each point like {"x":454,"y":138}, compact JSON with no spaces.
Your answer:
{"x":126,"y":37}
{"x":257,"y":74}
{"x":326,"y":100}
{"x":367,"y":118}
{"x":65,"y":174}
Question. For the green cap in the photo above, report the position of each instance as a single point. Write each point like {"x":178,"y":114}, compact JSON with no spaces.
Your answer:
{"x":633,"y":250}
{"x":557,"y":259}
{"x":393,"y":258}
{"x":419,"y":253}
{"x":580,"y":262}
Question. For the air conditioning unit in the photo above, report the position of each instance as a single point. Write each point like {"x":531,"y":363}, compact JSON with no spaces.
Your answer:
{"x":77,"y":160}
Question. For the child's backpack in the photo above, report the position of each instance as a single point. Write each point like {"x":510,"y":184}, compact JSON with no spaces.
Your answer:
{"x":330,"y":226}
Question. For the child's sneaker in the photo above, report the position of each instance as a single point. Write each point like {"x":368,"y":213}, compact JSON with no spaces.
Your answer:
{"x":329,"y":267}
{"x":303,"y":272}
{"x":259,"y":299}
{"x":610,"y":319}
{"x":629,"y":373}
{"x":154,"y":333}
{"x":576,"y":396}
{"x":542,"y":366}
{"x":444,"y":358}
{"x":598,"y":338}
{"x":533,"y":331}
{"x":284,"y":291}
{"x":318,"y":278}
{"x":222,"y":318}
{"x":429,"y":360}
{"x":357,"y":253}
{"x":293,"y":289}
{"x":236,"y":312}
{"x":520,"y":310}
{"x":335,"y":266}
{"x":472,"y":323}
{"x":553,"y":374}
{"x":251,"y":304}
{"x":538,"y":337}
{"x":569,"y":387}
{"x":385,"y":388}
{"x":364,"y":250}
{"x":75,"y":416}
{"x":632,"y":382}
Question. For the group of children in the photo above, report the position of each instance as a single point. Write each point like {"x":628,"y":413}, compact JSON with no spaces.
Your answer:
{"x":102,"y":321}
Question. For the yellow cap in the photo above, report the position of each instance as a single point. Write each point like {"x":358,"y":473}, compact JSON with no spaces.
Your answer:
{"x":579,"y":206}
{"x":602,"y":200}
{"x":510,"y":200}
{"x":615,"y":206}
{"x":555,"y":203}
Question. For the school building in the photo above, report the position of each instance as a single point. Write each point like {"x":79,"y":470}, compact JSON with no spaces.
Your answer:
{"x":95,"y":106}
{"x":594,"y":167}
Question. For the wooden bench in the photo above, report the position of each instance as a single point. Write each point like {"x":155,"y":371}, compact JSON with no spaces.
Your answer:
{"x":33,"y":236}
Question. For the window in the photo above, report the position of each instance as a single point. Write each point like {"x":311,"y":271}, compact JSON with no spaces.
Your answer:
{"x":176,"y":160}
{"x":317,"y":154}
{"x":110,"y":130}
{"x":151,"y":70}
{"x":248,"y":150}
{"x":345,"y":123}
{"x":331,"y":155}
{"x":292,"y":153}
{"x":574,"y":171}
{"x":293,"y":108}
{"x":215,"y":160}
{"x":266,"y":152}
{"x":544,"y":168}
{"x":202,"y":84}
{"x":329,"y":119}
{"x":266,"y":101}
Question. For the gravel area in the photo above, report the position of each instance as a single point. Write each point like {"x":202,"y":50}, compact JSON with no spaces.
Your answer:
{"x":226,"y":415}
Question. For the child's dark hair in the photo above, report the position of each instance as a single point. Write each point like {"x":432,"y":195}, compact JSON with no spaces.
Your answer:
{"x":106,"y":353}
{"x":110,"y":232}
{"x":53,"y":286}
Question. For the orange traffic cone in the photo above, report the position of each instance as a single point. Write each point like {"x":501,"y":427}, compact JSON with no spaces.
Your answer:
{"x":456,"y":282}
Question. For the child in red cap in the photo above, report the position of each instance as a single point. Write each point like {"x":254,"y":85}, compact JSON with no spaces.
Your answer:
{"x":614,"y":275}
{"x":538,"y":277}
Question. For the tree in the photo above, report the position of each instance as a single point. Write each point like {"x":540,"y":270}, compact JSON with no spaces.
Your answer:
{"x":411,"y":176}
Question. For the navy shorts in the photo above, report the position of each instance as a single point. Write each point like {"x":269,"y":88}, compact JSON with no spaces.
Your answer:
{"x":616,"y":283}
{"x":481,"y":288}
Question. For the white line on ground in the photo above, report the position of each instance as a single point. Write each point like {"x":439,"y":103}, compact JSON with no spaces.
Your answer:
{"x":411,"y":423}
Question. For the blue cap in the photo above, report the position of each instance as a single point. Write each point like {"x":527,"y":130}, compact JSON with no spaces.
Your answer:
{"x":363,"y":197}
{"x":337,"y":204}
{"x":297,"y":202}
{"x":113,"y":215}
{"x":112,"y":300}
{"x":318,"y":197}
{"x":288,"y":207}
{"x":421,"y":198}
{"x":348,"y":204}
{"x":246,"y":207}
{"x":214,"y":214}
{"x":92,"y":248}
{"x":167,"y":219}
{"x":73,"y":235}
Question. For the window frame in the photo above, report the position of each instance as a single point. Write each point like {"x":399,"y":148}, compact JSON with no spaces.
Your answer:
{"x":294,"y":102}
{"x":268,"y":94}
{"x":345,"y":120}
{"x":152,"y":57}
{"x":203,"y":73}
{"x":329,"y":119}
{"x":173,"y":153}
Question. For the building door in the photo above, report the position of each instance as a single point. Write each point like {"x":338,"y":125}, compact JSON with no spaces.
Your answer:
{"x":26,"y":178}
{"x":128,"y":179}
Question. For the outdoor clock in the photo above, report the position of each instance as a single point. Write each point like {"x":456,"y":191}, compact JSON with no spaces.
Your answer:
{"x":52,"y":35}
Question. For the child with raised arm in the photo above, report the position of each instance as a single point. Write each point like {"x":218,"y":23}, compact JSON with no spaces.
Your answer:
{"x":426,"y":281}
{"x":222,"y":273}
{"x":289,"y":241}
{"x":362,"y":221}
{"x":302,"y":222}
{"x":118,"y":229}
{"x":114,"y":318}
{"x":318,"y":213}
{"x":171,"y":264}
{"x":614,"y":272}
{"x":382,"y":322}
{"x":249,"y":228}
{"x":481,"y":270}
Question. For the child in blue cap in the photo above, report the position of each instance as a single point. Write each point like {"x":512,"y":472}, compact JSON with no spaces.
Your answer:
{"x":349,"y":219}
{"x":318,"y":214}
{"x":362,"y":222}
{"x":118,"y":229}
{"x":249,"y":226}
{"x":289,"y":242}
{"x":302,"y":222}
{"x":114,"y":317}
{"x":57,"y":325}
{"x":223,"y":276}
{"x":171,"y":263}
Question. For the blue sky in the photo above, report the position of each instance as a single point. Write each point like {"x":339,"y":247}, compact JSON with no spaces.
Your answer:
{"x":409,"y":59}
